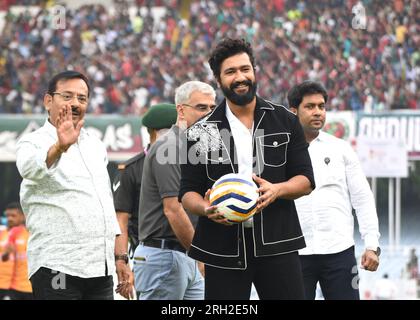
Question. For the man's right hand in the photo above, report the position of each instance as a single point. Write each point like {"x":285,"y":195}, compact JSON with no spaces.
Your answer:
{"x":212,"y":213}
{"x":66,"y":131}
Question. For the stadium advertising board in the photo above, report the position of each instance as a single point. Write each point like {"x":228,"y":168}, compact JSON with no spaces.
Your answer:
{"x":121,"y":135}
{"x":396,"y":126}
{"x":341,"y":124}
{"x":123,"y":139}
{"x":382,"y":158}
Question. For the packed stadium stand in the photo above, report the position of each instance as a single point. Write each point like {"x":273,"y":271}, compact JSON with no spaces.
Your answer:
{"x":136,"y":55}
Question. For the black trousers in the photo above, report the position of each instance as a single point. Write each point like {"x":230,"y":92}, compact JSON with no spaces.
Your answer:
{"x":48,"y":284}
{"x":5,"y":294}
{"x":20,"y":295}
{"x":274,"y":277}
{"x":336,"y":273}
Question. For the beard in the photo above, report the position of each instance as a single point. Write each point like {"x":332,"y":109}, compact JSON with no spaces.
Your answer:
{"x":240,"y":99}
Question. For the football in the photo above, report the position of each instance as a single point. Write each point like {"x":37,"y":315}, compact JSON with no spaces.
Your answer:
{"x":235,"y":196}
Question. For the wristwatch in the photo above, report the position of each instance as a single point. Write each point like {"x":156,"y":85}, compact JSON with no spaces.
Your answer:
{"x":377,"y":251}
{"x":123,"y":257}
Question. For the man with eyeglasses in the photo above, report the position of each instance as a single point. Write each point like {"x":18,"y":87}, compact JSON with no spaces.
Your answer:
{"x":162,"y":269}
{"x":67,"y":199}
{"x":126,"y":186}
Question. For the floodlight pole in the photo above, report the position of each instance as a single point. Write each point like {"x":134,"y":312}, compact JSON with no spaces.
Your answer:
{"x":374,"y":187}
{"x":398,"y":213}
{"x":391,"y":213}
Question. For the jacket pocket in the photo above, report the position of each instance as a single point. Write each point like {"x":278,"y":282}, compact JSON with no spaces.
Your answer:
{"x":213,"y":164}
{"x":273,"y":148}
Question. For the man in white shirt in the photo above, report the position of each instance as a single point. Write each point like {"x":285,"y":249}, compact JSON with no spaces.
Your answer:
{"x":326,"y":214}
{"x":66,"y":197}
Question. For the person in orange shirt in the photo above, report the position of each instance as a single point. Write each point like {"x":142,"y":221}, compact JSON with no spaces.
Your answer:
{"x":6,"y":267}
{"x":15,"y":251}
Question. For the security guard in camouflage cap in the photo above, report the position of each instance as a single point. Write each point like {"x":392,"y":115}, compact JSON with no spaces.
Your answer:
{"x":127,"y":185}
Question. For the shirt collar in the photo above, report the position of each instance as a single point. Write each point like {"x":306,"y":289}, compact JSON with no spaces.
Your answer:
{"x":48,"y":125}
{"x":232,"y":119}
{"x":322,"y":136}
{"x":49,"y":128}
{"x":229,"y":114}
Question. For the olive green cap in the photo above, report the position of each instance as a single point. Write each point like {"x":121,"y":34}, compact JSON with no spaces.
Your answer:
{"x":159,"y":116}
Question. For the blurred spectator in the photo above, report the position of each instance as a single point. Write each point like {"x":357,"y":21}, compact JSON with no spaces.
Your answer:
{"x":137,"y":59}
{"x":385,"y":289}
{"x":14,"y":253}
{"x":6,"y":267}
{"x":413,"y":265}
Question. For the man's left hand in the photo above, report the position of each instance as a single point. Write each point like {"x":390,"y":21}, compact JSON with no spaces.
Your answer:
{"x":125,"y":280}
{"x":268,"y":192}
{"x":370,"y":261}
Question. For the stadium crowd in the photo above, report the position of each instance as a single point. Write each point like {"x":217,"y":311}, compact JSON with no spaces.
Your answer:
{"x":136,"y":60}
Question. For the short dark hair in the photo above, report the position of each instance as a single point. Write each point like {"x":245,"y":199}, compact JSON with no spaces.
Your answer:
{"x":14,"y":205}
{"x":66,"y":75}
{"x":226,"y":48}
{"x":308,"y":87}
